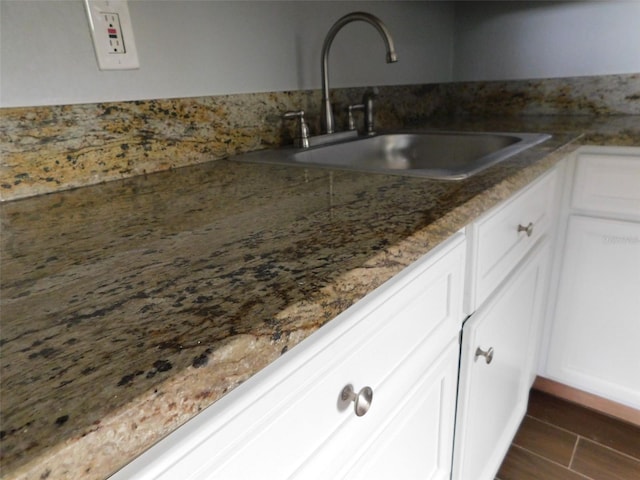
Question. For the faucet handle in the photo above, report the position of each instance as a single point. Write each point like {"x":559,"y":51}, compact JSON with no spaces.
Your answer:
{"x":367,"y":100}
{"x":350,"y":110}
{"x":301,"y":139}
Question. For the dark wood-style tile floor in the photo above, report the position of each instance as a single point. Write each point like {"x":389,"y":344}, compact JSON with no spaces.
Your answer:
{"x":559,"y":440}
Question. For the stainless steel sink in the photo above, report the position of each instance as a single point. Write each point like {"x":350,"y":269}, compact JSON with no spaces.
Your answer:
{"x":438,"y":155}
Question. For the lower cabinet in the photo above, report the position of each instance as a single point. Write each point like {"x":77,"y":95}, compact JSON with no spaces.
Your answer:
{"x":499,"y":343}
{"x":594,"y":321}
{"x":371,"y":394}
{"x":596,"y":333}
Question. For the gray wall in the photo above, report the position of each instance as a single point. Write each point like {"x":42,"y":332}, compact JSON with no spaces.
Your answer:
{"x":196,"y":48}
{"x":520,"y":40}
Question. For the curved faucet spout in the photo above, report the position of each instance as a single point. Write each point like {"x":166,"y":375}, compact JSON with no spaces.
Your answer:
{"x":327,"y":113}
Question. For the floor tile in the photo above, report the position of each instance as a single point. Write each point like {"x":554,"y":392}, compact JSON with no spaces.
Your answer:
{"x":546,"y":440}
{"x":595,"y":426}
{"x":601,"y":463}
{"x":520,"y":464}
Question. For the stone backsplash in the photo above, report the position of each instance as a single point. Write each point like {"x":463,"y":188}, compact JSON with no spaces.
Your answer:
{"x":46,"y":149}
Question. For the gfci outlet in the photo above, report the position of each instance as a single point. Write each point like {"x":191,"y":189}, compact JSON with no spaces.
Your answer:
{"x":112,"y":34}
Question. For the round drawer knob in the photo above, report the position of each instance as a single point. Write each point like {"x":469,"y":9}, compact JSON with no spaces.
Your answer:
{"x":528,"y":229}
{"x":362,"y":400}
{"x":487,"y":354}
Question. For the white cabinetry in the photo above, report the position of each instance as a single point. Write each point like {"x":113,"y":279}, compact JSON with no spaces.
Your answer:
{"x":290,"y":420}
{"x":495,"y":369}
{"x":506,"y":284}
{"x":595,"y":329}
{"x":501,"y":238}
{"x":412,"y":440}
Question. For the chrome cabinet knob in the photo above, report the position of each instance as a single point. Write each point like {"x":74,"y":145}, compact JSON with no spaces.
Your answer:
{"x":528,"y":229}
{"x":487,"y":354}
{"x":362,"y":400}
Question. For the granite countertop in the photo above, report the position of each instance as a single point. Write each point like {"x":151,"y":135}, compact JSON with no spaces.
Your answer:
{"x":130,"y":306}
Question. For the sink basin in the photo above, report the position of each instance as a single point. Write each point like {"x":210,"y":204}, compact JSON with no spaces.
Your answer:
{"x":438,"y":155}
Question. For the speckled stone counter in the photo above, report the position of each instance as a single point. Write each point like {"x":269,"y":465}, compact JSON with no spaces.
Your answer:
{"x":130,"y":306}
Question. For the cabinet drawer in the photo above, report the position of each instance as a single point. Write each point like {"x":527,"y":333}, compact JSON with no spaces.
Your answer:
{"x":608,"y":183}
{"x":272,"y":424}
{"x":501,"y":238}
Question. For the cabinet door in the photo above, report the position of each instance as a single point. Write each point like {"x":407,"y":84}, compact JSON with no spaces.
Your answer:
{"x":494,"y":385}
{"x":414,"y":440}
{"x":596,"y":331}
{"x":417,"y":441}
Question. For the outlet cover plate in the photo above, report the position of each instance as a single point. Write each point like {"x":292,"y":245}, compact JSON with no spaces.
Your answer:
{"x":112,"y":34}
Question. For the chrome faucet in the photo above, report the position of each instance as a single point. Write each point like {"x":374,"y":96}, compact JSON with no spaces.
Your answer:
{"x":327,"y":121}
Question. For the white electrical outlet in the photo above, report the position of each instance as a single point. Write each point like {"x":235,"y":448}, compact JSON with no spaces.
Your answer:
{"x":112,"y":34}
